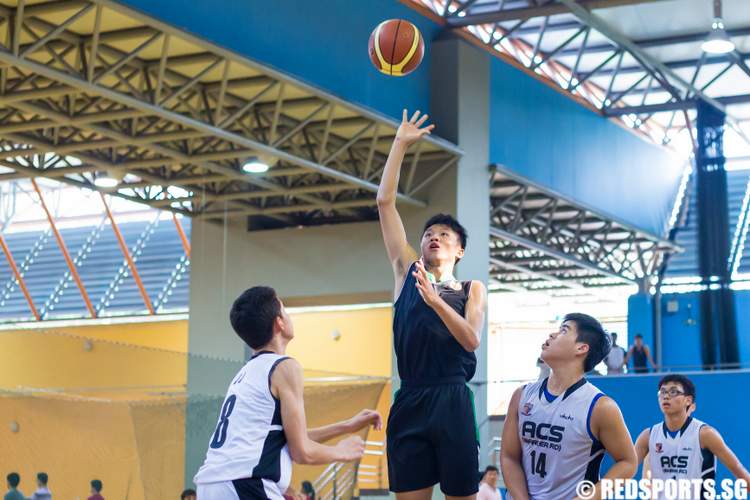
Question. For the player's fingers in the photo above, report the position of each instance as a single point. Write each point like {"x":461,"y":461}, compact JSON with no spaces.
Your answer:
{"x":404,"y":116}
{"x":414,"y":117}
{"x":422,"y":120}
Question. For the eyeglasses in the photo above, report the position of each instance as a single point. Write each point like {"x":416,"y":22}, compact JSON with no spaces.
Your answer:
{"x":672,"y":393}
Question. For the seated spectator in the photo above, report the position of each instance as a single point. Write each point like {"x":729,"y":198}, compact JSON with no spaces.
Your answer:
{"x":188,"y":494}
{"x":96,"y":489}
{"x":13,"y":493}
{"x":42,"y":492}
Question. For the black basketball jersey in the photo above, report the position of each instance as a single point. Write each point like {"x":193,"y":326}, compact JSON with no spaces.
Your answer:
{"x":425,"y":348}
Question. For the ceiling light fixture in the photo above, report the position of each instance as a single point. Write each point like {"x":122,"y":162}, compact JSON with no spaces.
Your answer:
{"x":254,"y":165}
{"x":104,"y":180}
{"x":718,"y":41}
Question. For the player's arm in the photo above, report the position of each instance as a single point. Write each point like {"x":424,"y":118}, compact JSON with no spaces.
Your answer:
{"x":609,"y":428}
{"x":358,"y":422}
{"x":641,"y":445}
{"x":511,"y":462}
{"x":466,"y":330}
{"x":712,"y":441}
{"x":627,"y":356}
{"x":400,"y":254}
{"x":286,"y":385}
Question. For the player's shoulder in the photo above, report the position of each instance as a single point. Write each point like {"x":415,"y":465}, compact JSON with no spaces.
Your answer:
{"x":287,"y":365}
{"x":605,"y":407}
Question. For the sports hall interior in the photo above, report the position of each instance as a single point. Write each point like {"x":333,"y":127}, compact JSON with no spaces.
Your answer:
{"x":598,"y":157}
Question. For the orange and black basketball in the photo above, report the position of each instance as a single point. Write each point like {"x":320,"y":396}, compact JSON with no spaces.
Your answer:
{"x":396,"y":47}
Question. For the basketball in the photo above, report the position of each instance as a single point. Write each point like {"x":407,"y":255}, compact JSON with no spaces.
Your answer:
{"x":396,"y":47}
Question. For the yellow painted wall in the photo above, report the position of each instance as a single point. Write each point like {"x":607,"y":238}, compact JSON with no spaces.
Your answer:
{"x":140,"y":449}
{"x":170,"y":335}
{"x":136,"y":450}
{"x":51,"y":360}
{"x":363,"y":348}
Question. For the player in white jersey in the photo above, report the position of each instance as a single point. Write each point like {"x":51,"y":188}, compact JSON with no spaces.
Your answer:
{"x":681,"y":446}
{"x":558,"y":429}
{"x":262,"y":426}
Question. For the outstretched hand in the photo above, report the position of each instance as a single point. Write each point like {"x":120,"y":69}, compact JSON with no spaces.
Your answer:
{"x":411,"y":130}
{"x":366,"y":418}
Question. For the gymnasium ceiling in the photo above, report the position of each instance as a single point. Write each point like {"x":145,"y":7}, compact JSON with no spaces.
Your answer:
{"x":89,"y":88}
{"x":639,"y":61}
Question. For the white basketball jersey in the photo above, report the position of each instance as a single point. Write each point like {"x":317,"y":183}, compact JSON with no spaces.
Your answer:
{"x":679,"y":456}
{"x":249,"y":441}
{"x":558,"y":449}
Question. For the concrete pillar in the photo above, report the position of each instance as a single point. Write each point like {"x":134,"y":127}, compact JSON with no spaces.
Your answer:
{"x":460,"y":107}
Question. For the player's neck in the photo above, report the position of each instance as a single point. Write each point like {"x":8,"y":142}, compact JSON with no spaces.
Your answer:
{"x":441,"y":271}
{"x":675,"y":421}
{"x":276,"y":346}
{"x":562,"y":377}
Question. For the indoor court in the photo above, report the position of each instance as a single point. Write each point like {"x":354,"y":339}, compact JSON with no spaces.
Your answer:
{"x":511,"y":234}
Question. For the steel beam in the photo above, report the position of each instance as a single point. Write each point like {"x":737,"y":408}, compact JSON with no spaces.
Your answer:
{"x":19,"y":277}
{"x":532,"y":245}
{"x":181,"y":232}
{"x":189,"y":122}
{"x":549,"y":9}
{"x":672,"y":106}
{"x":126,"y":254}
{"x":64,"y":250}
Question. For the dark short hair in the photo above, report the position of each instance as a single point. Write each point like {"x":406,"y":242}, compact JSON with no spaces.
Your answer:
{"x":639,"y":336}
{"x":590,"y":332}
{"x":13,"y":479}
{"x":42,"y":477}
{"x":97,"y":485}
{"x":613,"y":335}
{"x":187,"y":493}
{"x":451,"y":222}
{"x":687,"y":385}
{"x":253,"y":314}
{"x":491,"y":468}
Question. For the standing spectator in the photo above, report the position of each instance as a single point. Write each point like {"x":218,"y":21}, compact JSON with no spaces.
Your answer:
{"x":96,"y":488}
{"x":13,"y":493}
{"x":188,"y":494}
{"x":640,"y":353}
{"x":488,"y":486}
{"x":615,"y":360}
{"x":42,"y":492}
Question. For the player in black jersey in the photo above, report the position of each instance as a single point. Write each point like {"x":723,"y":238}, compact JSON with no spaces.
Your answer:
{"x":437,"y":324}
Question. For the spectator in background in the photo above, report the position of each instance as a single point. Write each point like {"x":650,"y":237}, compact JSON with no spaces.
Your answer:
{"x":488,"y":486}
{"x":96,"y":489}
{"x":307,"y":489}
{"x":188,"y":494}
{"x":13,"y":494}
{"x":640,"y":353}
{"x":42,"y":492}
{"x":615,"y":360}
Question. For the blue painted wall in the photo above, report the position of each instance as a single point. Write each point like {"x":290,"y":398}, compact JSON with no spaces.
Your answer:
{"x":323,"y":43}
{"x":555,"y":141}
{"x":716,"y":394}
{"x":681,"y":330}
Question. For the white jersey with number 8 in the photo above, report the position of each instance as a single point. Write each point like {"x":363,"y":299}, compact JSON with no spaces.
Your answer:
{"x":249,"y":441}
